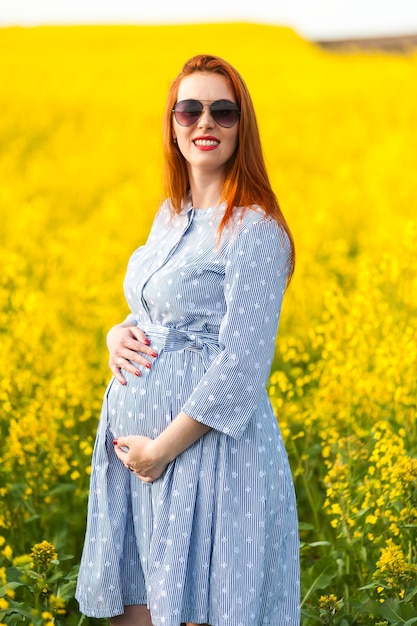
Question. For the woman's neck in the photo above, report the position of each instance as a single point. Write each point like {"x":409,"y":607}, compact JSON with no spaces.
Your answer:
{"x":205,"y":193}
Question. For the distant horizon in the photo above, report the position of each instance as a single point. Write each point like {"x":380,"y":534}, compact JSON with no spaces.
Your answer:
{"x":319,"y":20}
{"x":324,"y":38}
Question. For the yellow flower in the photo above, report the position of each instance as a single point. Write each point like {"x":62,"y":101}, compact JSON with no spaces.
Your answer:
{"x":49,"y":618}
{"x":329,"y":605}
{"x":325,"y":601}
{"x":57,"y":604}
{"x":7,"y":552}
{"x":42,"y":555}
{"x":394,"y":570}
{"x":22,"y":560}
{"x":392,"y":560}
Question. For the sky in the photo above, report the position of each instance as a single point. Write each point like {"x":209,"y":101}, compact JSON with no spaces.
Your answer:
{"x":312,"y":19}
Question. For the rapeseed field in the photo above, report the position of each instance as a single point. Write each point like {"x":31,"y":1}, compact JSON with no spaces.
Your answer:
{"x":80,"y":171}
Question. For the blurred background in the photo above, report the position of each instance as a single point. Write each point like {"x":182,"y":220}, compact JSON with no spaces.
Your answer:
{"x":321,"y":19}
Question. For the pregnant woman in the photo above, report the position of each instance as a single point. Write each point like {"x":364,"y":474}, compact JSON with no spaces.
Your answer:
{"x":192,"y":513}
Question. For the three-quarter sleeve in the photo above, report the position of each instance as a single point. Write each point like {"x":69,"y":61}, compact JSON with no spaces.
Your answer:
{"x":256,"y":272}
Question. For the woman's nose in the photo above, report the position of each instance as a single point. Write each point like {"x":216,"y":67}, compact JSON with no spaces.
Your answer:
{"x":206,"y":118}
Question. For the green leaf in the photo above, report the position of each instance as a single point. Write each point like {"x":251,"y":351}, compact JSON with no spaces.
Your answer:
{"x":397,"y":613}
{"x":62,"y":489}
{"x":5,"y":588}
{"x":65,"y":557}
{"x":14,"y":574}
{"x":67,"y":590}
{"x":409,"y":596}
{"x":314,"y":544}
{"x":16,"y":608}
{"x":308,"y":614}
{"x":319,"y":576}
{"x":370,"y":586}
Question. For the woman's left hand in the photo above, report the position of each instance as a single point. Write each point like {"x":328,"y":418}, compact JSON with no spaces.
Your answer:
{"x":139,"y":454}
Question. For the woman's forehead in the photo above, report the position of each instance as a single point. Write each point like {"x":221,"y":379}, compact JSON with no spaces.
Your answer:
{"x":205,"y":86}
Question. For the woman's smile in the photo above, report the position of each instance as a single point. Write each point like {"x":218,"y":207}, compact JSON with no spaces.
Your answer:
{"x":206,"y":142}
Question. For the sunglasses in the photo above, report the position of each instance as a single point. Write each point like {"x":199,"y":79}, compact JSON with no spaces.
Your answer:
{"x":224,"y":112}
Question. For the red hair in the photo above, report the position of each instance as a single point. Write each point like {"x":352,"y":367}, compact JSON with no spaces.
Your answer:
{"x":246,"y":179}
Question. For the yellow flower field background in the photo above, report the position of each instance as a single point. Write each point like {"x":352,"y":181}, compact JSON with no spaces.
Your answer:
{"x":80,"y":171}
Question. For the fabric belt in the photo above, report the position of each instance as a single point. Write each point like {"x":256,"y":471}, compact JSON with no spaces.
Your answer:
{"x":173,"y":340}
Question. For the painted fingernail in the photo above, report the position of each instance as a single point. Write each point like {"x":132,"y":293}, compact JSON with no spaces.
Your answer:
{"x":148,"y":343}
{"x":154,"y":354}
{"x":148,"y":365}
{"x":137,"y":373}
{"x":115,"y":442}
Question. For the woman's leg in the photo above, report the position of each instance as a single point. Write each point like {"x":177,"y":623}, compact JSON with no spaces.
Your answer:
{"x":134,"y":615}
{"x":138,"y":615}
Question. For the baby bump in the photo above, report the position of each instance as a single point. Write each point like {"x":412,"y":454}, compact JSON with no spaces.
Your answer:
{"x":148,"y":403}
{"x":135,"y":408}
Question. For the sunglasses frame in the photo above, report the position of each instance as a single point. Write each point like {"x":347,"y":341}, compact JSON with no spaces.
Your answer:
{"x":209,"y":104}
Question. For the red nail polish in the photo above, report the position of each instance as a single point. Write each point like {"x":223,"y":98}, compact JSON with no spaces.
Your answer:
{"x":137,"y":373}
{"x":154,"y":354}
{"x":148,"y":365}
{"x":148,"y":343}
{"x":115,"y":442}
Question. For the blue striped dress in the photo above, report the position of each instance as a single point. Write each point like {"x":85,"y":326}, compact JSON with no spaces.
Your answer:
{"x":215,"y":539}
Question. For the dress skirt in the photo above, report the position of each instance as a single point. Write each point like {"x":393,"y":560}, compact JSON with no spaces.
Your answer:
{"x":214,"y":540}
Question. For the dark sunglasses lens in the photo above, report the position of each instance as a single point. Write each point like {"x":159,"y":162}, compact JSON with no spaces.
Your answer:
{"x":225,"y":115}
{"x":187,"y":112}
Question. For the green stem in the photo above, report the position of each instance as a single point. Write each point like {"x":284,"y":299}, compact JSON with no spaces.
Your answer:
{"x":307,"y":489}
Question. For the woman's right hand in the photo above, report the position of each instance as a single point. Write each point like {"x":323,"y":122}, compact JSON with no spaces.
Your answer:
{"x":128,"y":345}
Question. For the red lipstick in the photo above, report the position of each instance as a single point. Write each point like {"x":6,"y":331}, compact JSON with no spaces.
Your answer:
{"x":206,"y":142}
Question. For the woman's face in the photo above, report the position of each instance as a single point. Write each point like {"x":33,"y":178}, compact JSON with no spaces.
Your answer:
{"x":205,"y":145}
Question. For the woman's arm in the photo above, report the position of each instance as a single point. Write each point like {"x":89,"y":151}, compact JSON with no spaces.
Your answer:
{"x":149,"y":458}
{"x":256,"y":272}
